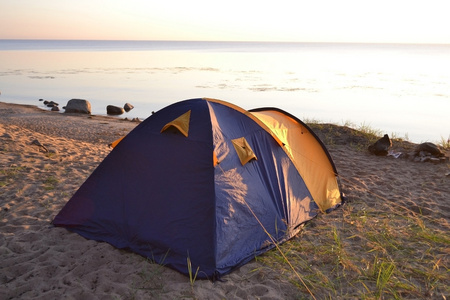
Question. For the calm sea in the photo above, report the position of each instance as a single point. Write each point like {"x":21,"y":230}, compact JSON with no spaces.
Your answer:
{"x":396,"y":88}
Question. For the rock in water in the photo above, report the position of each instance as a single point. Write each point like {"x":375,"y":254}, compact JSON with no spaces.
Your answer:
{"x":381,"y":146}
{"x":79,"y":106}
{"x":128,"y":107}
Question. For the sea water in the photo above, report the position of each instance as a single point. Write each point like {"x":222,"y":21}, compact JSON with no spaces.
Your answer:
{"x":398,"y":89}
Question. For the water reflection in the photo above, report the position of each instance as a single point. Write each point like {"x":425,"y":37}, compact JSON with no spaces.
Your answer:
{"x":392,"y":91}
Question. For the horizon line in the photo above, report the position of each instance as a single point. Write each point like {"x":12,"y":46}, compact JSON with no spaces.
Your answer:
{"x":227,"y":41}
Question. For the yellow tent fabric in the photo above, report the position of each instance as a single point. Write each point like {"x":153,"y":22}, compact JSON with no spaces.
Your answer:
{"x":243,"y":150}
{"x":248,"y":114}
{"x":181,"y":123}
{"x":116,"y":142}
{"x":308,"y":156}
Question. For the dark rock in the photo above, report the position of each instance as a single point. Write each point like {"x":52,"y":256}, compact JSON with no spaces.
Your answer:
{"x":430,"y":148}
{"x":381,"y":146}
{"x":55,"y":108}
{"x":114,"y":110}
{"x":79,"y":106}
{"x":429,"y":152}
{"x":128,"y":107}
{"x":41,"y":99}
{"x":51,"y":104}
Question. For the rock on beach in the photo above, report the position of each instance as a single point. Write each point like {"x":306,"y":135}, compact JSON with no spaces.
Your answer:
{"x":114,"y":110}
{"x":79,"y":106}
{"x":381,"y":146}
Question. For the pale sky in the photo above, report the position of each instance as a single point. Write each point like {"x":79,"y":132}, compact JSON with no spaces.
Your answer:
{"x":387,"y":21}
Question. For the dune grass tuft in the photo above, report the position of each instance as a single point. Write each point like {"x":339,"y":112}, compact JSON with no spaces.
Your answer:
{"x":379,"y":252}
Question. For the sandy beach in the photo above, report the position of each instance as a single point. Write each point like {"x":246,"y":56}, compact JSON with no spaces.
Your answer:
{"x":390,"y":240}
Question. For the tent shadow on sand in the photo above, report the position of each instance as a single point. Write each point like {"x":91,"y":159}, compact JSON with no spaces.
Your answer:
{"x":206,"y":180}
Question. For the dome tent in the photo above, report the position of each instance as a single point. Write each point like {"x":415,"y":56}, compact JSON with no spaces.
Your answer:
{"x":206,"y":180}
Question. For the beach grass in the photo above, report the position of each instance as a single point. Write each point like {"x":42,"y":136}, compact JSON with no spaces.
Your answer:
{"x":444,"y":143}
{"x":381,"y":249}
{"x":50,"y":182}
{"x":366,"y":131}
{"x":382,"y":252}
{"x":8,"y":174}
{"x":192,"y":274}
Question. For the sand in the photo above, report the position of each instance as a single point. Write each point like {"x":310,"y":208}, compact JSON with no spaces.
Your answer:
{"x":39,"y":261}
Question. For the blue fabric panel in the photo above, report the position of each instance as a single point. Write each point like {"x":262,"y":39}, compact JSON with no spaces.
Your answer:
{"x":154,"y":193}
{"x":259,"y":186}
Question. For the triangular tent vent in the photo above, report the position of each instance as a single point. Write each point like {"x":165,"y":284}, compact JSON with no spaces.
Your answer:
{"x":181,"y":123}
{"x":243,"y":150}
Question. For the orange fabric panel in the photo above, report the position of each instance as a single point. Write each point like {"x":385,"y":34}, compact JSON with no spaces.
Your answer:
{"x":116,"y":142}
{"x":248,"y":114}
{"x":308,"y":156}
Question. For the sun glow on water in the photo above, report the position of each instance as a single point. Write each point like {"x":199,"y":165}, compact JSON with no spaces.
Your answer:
{"x":398,"y":89}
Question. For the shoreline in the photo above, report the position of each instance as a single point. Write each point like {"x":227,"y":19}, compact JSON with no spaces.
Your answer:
{"x":76,"y":126}
{"x":99,"y":111}
{"x":397,"y":211}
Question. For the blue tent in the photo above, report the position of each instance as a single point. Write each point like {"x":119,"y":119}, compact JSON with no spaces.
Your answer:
{"x":205,"y":180}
